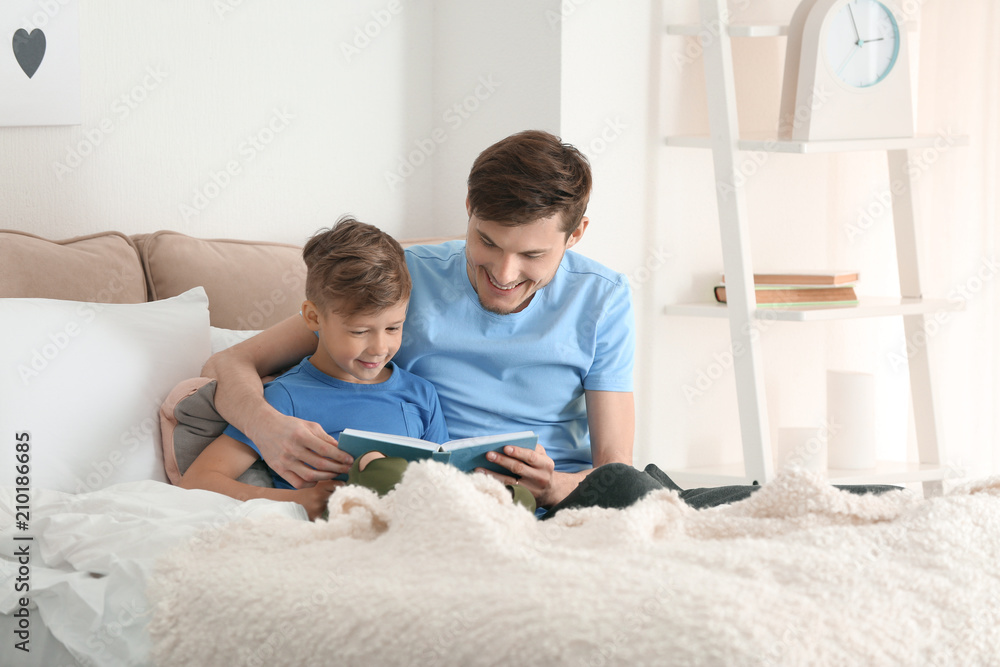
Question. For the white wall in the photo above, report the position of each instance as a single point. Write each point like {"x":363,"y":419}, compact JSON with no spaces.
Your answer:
{"x":959,"y":93}
{"x":610,"y":75}
{"x":496,"y":71}
{"x":267,"y":120}
{"x":308,"y":103}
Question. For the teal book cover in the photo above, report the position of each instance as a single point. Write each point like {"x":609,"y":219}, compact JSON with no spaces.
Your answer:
{"x":466,"y":454}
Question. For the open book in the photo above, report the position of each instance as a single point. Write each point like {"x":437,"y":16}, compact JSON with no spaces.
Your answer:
{"x":465,"y":454}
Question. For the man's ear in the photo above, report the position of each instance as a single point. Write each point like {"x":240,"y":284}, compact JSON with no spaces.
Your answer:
{"x":468,"y":205}
{"x":310,"y":313}
{"x":577,"y":233}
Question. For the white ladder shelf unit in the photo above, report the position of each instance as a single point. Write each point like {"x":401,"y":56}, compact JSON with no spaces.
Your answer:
{"x":742,"y":312}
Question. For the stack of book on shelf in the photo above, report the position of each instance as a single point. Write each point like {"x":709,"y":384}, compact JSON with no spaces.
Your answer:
{"x":801,"y":288}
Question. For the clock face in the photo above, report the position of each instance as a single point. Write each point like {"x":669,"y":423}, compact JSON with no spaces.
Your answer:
{"x":862,"y":43}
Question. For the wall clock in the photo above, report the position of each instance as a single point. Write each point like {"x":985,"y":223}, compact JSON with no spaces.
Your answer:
{"x":847,"y":73}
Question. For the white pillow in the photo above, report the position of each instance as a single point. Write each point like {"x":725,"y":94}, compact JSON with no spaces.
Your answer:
{"x":225,"y":338}
{"x":82,"y":383}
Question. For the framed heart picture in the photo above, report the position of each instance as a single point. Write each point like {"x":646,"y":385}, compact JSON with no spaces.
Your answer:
{"x":39,"y":62}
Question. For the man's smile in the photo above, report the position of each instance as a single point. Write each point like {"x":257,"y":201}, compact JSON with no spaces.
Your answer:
{"x":499,"y":286}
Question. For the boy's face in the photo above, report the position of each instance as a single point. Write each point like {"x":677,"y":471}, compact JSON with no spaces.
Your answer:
{"x":507,"y":265}
{"x":356,"y":348}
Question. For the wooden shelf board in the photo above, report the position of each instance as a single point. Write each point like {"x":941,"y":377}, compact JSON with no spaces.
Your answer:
{"x":884,"y":472}
{"x":868,"y":307}
{"x":735,"y":30}
{"x":771,"y":144}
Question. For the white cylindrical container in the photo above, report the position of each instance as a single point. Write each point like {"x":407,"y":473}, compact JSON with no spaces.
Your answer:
{"x":850,"y":413}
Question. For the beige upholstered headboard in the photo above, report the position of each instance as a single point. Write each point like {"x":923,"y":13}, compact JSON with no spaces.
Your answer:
{"x":250,"y":285}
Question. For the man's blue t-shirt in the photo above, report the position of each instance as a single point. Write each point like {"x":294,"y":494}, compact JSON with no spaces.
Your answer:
{"x":523,"y":371}
{"x":402,"y":405}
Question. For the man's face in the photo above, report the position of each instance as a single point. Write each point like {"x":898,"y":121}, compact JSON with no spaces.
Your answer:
{"x":507,"y":265}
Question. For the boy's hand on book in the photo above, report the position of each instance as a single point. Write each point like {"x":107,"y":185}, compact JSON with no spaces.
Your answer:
{"x":532,"y":469}
{"x":300,"y":451}
{"x":314,"y":498}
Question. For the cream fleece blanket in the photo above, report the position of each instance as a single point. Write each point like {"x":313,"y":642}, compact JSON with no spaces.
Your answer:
{"x":446,"y":571}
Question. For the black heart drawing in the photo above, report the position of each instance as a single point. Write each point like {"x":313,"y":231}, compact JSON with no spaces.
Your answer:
{"x":29,"y":50}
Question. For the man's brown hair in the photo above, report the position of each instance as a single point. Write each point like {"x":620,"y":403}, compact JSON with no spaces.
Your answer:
{"x":355,"y":267}
{"x":528,"y":176}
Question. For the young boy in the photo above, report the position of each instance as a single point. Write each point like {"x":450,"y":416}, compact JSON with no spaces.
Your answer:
{"x":357,"y":292}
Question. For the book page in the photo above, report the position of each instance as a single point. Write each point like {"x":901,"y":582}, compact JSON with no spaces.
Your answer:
{"x":516,"y":439}
{"x":416,"y":443}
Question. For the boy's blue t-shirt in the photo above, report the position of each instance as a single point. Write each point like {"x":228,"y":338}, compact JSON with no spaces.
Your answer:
{"x":402,"y":405}
{"x":525,"y":371}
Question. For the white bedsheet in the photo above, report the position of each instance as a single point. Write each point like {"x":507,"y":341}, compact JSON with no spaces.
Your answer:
{"x":90,"y":561}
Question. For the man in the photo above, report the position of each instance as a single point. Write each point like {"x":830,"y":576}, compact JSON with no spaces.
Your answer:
{"x":515,"y":330}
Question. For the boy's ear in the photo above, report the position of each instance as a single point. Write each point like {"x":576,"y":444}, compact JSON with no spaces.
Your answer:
{"x":310,"y":313}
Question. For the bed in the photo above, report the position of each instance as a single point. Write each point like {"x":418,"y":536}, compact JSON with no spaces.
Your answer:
{"x":105,"y":562}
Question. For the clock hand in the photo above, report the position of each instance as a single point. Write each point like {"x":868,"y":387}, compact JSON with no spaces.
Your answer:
{"x":857,"y":33}
{"x":848,"y":59}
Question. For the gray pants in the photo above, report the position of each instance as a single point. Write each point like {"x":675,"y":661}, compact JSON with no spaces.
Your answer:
{"x":617,"y":485}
